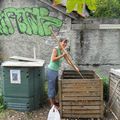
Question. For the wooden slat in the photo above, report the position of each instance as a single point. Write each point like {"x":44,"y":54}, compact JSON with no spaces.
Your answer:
{"x":113,"y":84}
{"x":82,"y":102}
{"x":81,"y":107}
{"x":82,"y":93}
{"x":80,"y":98}
{"x":115,"y":75}
{"x":113,"y":81}
{"x":60,"y":95}
{"x":115,"y":100}
{"x":80,"y":81}
{"x":112,"y":88}
{"x":81,"y":111}
{"x":81,"y":115}
{"x":82,"y":71}
{"x":81,"y":89}
{"x":101,"y":106}
{"x":78,"y":77}
{"x":82,"y":85}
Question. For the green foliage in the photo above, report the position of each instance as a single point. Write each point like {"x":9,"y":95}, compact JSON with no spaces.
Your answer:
{"x":105,"y":88}
{"x":108,"y":9}
{"x":78,"y":5}
{"x":2,"y":107}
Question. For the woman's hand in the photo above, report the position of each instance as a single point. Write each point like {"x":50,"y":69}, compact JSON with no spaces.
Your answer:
{"x":63,"y":55}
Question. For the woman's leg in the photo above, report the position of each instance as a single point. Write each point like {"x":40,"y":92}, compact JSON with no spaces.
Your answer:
{"x":52,"y":75}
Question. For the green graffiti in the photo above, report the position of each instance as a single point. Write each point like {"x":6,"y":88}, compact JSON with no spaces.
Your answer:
{"x":30,"y":21}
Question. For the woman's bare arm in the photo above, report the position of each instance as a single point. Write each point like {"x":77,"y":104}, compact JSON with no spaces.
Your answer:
{"x":54,"y":56}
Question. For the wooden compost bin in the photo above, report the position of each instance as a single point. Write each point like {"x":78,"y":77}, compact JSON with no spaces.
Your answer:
{"x":80,"y":98}
{"x":114,"y":92}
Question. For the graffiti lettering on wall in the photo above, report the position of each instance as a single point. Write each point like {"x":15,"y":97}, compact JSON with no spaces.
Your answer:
{"x":30,"y":21}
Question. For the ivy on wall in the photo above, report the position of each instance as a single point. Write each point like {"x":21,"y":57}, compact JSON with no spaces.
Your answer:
{"x":30,"y":21}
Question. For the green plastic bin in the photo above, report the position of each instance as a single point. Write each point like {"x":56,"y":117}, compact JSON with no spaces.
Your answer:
{"x":23,"y":85}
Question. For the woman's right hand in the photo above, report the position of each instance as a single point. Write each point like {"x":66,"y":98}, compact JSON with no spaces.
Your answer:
{"x":63,"y":55}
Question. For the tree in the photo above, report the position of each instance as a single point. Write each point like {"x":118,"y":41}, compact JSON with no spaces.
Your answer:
{"x":77,"y":5}
{"x":101,"y":8}
{"x":108,"y":9}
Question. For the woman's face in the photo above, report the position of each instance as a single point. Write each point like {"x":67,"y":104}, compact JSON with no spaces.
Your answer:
{"x":63,"y":43}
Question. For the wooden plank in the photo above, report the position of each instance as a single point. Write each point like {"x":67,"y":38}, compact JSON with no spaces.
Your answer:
{"x":113,"y":80}
{"x":116,"y":117}
{"x":81,"y":102}
{"x":113,"y":88}
{"x":60,"y":95}
{"x":75,"y":73}
{"x":114,"y":83}
{"x":81,"y":111}
{"x":116,"y":110}
{"x":82,"y":93}
{"x":80,"y":89}
{"x":114,"y":75}
{"x":81,"y":115}
{"x":84,"y":85}
{"x":82,"y":71}
{"x":22,"y":64}
{"x":81,"y":107}
{"x":101,"y":106}
{"x":80,"y":81}
{"x":80,"y":98}
{"x":19,"y":58}
{"x":115,"y":103}
{"x":78,"y":77}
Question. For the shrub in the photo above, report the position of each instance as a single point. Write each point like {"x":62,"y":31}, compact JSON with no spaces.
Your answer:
{"x":105,"y":88}
{"x":108,"y":9}
{"x":2,"y":107}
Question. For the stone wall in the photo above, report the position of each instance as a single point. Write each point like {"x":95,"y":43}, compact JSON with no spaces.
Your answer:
{"x":98,"y":49}
{"x":20,"y":39}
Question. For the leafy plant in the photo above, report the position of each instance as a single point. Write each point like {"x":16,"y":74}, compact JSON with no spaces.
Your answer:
{"x":105,"y":88}
{"x":1,"y":103}
{"x":108,"y":9}
{"x":78,"y":5}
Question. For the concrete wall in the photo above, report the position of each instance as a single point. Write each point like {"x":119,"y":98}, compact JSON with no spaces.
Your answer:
{"x":98,"y":49}
{"x":19,"y":41}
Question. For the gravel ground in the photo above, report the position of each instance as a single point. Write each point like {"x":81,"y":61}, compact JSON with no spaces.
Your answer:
{"x":40,"y":114}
